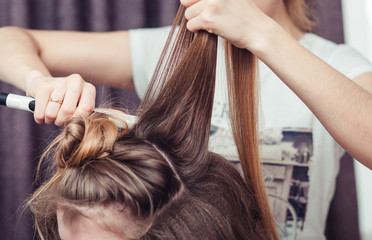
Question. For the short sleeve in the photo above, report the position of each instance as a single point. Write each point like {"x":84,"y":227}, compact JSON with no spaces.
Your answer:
{"x":349,"y":61}
{"x":146,"y":46}
{"x":342,"y":57}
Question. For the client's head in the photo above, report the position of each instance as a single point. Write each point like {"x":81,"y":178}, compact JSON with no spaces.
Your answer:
{"x":107,"y":183}
{"x":104,"y":179}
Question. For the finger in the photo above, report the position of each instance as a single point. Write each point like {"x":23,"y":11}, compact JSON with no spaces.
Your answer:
{"x":68,"y":106}
{"x":200,"y":18}
{"x":41,"y":102}
{"x":54,"y":104}
{"x":194,"y":10}
{"x":75,"y":86}
{"x":199,"y":23}
{"x":188,"y":3}
{"x":87,"y":101}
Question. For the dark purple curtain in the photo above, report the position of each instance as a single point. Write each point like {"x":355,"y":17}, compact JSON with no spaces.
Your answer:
{"x":22,"y":140}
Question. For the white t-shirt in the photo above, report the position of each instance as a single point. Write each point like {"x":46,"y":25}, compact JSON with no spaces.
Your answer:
{"x":301,"y":160}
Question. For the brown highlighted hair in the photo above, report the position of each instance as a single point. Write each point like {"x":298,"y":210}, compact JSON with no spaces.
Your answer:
{"x":159,"y":173}
{"x":302,"y":14}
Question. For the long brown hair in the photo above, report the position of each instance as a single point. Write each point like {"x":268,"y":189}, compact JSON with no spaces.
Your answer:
{"x":159,"y":171}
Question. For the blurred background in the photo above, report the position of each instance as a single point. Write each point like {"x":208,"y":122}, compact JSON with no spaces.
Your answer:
{"x":357,"y":18}
{"x":22,"y":140}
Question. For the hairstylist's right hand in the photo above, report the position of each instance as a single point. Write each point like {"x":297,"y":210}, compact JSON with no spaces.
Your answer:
{"x":58,"y":98}
{"x":240,"y":22}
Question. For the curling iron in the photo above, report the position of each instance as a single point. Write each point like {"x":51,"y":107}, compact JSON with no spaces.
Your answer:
{"x":28,"y":104}
{"x":17,"y":101}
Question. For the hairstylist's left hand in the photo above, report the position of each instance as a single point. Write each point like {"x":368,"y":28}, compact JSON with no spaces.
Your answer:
{"x":240,"y":22}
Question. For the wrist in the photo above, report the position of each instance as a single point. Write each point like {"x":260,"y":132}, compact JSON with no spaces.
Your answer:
{"x":31,"y":80}
{"x":265,"y":38}
{"x":273,"y":43}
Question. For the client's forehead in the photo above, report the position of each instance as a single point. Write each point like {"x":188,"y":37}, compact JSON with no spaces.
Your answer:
{"x":100,"y":223}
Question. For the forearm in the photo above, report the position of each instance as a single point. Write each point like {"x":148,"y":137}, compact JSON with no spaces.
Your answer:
{"x":23,"y":66}
{"x":343,"y":107}
{"x":20,"y":57}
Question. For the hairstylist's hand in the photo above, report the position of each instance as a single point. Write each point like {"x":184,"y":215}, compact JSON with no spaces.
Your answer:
{"x":59,"y":98}
{"x":240,"y":22}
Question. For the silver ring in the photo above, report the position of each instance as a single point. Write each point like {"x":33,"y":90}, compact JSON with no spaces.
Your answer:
{"x":55,"y":100}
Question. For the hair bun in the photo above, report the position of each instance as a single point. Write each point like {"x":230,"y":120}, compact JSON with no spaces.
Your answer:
{"x":85,"y":139}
